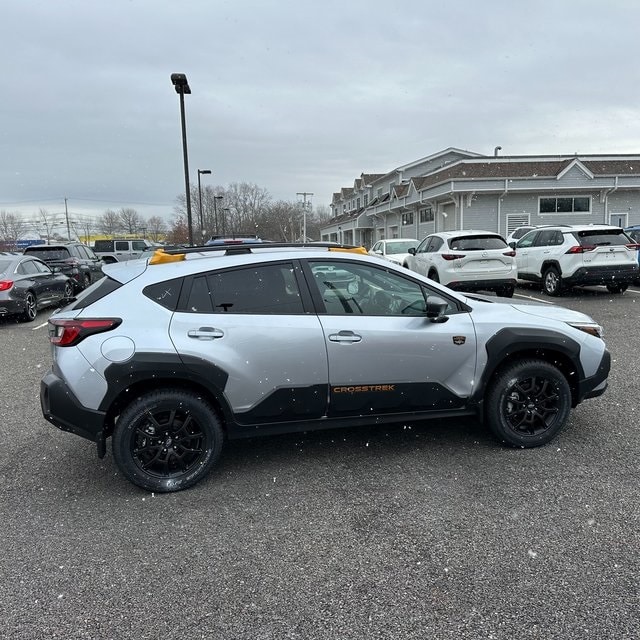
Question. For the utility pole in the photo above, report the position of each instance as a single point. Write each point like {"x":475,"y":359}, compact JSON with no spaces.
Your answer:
{"x":66,"y":215}
{"x":304,"y":194}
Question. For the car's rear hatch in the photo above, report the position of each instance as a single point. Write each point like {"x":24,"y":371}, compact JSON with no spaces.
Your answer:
{"x":478,"y":255}
{"x":604,"y":248}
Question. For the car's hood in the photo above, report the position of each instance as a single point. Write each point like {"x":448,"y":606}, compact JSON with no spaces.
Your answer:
{"x":534,"y":308}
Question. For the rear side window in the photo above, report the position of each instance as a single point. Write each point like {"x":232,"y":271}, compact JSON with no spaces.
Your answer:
{"x":477,"y":243}
{"x":601,"y":238}
{"x":166,"y":293}
{"x":263,"y":289}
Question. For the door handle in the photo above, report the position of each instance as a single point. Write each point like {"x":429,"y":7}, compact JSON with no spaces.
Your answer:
{"x":345,"y":337}
{"x":205,"y":333}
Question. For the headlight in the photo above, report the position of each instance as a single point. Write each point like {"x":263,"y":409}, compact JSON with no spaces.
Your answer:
{"x":592,"y":329}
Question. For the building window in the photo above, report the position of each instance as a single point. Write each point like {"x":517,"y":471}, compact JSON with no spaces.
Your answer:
{"x":563,"y":204}
{"x":379,"y":192}
{"x":426,"y":214}
{"x":407,"y":218}
{"x":365,"y":198}
{"x":344,"y":208}
{"x":391,"y":185}
{"x":357,"y":203}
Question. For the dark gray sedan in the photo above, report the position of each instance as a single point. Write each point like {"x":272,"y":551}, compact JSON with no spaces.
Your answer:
{"x":28,"y":285}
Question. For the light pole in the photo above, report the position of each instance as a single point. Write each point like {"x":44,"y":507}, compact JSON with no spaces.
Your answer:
{"x":215,"y":211}
{"x":201,"y":172}
{"x":304,"y":194}
{"x":181,"y":85}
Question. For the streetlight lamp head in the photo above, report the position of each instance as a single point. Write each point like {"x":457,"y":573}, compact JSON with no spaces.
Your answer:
{"x":180,"y":83}
{"x":204,"y":172}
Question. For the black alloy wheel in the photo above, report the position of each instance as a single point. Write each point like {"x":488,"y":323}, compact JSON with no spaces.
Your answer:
{"x":528,"y":403}
{"x":167,"y":440}
{"x":30,"y":308}
{"x":68,"y":291}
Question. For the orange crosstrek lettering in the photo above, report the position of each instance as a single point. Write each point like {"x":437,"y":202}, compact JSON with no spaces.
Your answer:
{"x":365,"y":388}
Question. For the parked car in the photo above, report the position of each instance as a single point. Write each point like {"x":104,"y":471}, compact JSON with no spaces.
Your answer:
{"x":73,"y":259}
{"x":241,"y":238}
{"x":120,"y":250}
{"x":28,"y":285}
{"x":561,"y":257}
{"x":171,"y":359}
{"x":518,"y":232}
{"x":396,"y":250}
{"x":466,"y":261}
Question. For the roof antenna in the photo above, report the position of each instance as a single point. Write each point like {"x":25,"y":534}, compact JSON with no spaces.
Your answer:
{"x":495,"y":151}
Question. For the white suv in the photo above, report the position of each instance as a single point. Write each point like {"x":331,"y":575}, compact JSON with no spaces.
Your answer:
{"x":466,"y":261}
{"x":561,"y":257}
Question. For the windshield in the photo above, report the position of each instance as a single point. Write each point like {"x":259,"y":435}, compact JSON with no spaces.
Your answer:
{"x":401,"y":247}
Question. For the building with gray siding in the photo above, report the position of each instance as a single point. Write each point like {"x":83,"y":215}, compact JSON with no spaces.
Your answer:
{"x":457,"y":189}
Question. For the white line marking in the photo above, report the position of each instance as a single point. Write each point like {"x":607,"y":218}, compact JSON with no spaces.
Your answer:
{"x":520,"y":295}
{"x":40,"y":326}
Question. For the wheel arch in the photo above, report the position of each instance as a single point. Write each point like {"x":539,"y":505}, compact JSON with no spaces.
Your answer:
{"x":130,"y":380}
{"x":550,"y":263}
{"x":513,"y":345}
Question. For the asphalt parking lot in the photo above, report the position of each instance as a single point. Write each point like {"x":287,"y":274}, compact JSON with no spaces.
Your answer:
{"x":425,"y":530}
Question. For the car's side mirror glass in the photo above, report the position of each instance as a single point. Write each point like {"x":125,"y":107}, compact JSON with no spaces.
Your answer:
{"x":436,"y":307}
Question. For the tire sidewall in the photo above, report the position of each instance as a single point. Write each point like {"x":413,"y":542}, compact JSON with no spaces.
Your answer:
{"x":136,"y":412}
{"x":556,"y":290}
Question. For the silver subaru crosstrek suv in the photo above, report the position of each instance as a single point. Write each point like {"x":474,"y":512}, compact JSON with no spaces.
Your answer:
{"x":172,"y":355}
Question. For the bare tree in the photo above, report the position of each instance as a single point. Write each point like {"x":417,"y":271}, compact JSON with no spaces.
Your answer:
{"x":156,"y":228}
{"x":279,"y":221}
{"x":246,"y":203}
{"x":11,"y":227}
{"x":109,"y":223}
{"x":46,"y":221}
{"x":130,"y":220}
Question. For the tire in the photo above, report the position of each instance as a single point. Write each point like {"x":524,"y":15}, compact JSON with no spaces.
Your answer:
{"x":167,"y":440}
{"x":433,"y":275}
{"x":528,"y":403}
{"x":86,"y":280}
{"x":68,"y":292}
{"x":552,"y":282}
{"x":506,"y":292}
{"x":30,"y":308}
{"x":617,"y":288}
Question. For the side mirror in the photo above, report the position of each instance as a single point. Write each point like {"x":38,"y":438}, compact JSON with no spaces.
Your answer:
{"x":436,"y":307}
{"x":412,"y":251}
{"x":377,"y":252}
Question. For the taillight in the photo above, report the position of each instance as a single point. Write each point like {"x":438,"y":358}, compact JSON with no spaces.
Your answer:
{"x":68,"y":333}
{"x":581,"y":249}
{"x":632,"y":246}
{"x":5,"y":285}
{"x":452,"y":256}
{"x":510,"y":254}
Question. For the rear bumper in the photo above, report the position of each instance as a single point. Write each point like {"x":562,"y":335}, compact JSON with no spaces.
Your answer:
{"x":481,"y":285}
{"x":63,"y":410}
{"x":602,"y":275}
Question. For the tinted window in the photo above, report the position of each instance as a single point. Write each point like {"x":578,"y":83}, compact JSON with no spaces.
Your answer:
{"x":138,"y":245}
{"x":601,"y":238}
{"x":265,"y":289}
{"x":549,"y":237}
{"x":49,"y":253}
{"x":103,"y":245}
{"x":165,"y":293}
{"x":41,"y":266}
{"x":477,"y":243}
{"x":528,"y":240}
{"x":122,"y":246}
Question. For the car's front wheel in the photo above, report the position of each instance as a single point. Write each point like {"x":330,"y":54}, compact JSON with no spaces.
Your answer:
{"x":167,"y":440}
{"x":552,"y":282}
{"x":528,"y":403}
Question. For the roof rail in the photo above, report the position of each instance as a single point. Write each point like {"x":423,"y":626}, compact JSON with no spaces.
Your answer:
{"x":249,"y":247}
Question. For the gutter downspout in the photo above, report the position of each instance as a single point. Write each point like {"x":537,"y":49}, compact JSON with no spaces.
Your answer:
{"x":500,"y":197}
{"x":606,"y":200}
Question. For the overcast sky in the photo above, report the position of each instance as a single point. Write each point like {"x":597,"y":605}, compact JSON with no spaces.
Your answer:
{"x":298,"y":95}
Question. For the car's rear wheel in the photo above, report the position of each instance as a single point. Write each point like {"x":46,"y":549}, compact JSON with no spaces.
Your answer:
{"x":506,"y":291}
{"x":167,"y":440}
{"x":86,"y":280}
{"x":552,"y":282}
{"x":615,"y":287}
{"x":30,"y":308}
{"x":528,"y":403}
{"x":433,"y":275}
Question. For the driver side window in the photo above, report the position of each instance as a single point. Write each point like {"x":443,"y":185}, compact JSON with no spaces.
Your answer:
{"x":356,"y":289}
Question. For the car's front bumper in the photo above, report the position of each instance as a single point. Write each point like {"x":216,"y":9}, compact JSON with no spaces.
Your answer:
{"x":595,"y":385}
